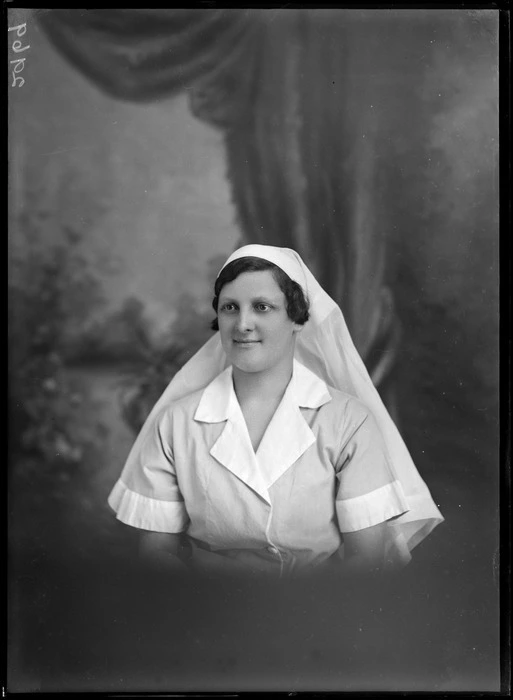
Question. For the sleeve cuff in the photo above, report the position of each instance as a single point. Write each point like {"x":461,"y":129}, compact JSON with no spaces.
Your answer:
{"x":147,"y":513}
{"x":372,"y":508}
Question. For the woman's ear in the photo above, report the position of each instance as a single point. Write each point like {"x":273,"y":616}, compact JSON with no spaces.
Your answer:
{"x":297,"y":328}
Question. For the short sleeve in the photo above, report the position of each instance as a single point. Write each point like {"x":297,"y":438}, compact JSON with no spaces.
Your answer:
{"x":368,"y":492}
{"x":147,"y":495}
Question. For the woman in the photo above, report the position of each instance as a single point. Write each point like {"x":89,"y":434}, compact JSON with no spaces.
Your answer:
{"x":271,"y":450}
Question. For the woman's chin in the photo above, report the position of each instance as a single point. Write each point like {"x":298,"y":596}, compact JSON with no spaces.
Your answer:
{"x":247,"y":366}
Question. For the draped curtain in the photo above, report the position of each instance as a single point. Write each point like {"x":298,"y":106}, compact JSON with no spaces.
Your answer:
{"x":285,"y":87}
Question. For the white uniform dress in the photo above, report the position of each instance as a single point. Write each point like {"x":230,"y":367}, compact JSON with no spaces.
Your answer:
{"x":321,"y":469}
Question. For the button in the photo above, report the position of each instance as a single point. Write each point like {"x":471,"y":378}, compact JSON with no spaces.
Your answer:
{"x":273,"y":550}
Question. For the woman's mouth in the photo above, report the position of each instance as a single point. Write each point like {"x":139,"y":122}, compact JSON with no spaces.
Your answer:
{"x":245,"y":343}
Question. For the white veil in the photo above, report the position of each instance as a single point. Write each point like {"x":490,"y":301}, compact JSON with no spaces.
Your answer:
{"x":326,"y":348}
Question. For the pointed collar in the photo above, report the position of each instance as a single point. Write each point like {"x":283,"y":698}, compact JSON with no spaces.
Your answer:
{"x":305,"y":389}
{"x":287,"y":437}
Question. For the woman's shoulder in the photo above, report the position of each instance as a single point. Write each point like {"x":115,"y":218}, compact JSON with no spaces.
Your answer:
{"x":344,"y":417}
{"x":345,"y":408}
{"x":342,"y":400}
{"x":185,"y":406}
{"x":319,"y":392}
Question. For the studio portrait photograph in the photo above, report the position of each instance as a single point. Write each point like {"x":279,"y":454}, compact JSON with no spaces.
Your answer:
{"x":253,"y":351}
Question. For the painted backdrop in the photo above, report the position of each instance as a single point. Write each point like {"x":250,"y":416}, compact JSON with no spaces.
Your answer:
{"x":368,"y":140}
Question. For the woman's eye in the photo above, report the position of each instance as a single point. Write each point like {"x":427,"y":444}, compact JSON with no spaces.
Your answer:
{"x":228,"y":307}
{"x":262,"y":307}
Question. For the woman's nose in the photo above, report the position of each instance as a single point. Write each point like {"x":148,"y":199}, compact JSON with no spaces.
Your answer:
{"x":245,"y":321}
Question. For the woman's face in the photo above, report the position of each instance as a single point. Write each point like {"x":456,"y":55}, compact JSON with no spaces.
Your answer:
{"x":256,"y":332}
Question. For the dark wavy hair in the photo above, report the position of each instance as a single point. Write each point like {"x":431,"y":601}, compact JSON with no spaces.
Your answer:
{"x":297,"y":303}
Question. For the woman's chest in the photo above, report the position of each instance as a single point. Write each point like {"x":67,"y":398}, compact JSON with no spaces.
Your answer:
{"x":257,"y":418}
{"x":210,"y":457}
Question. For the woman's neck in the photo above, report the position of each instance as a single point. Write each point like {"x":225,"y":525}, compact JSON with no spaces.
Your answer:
{"x":266,"y":387}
